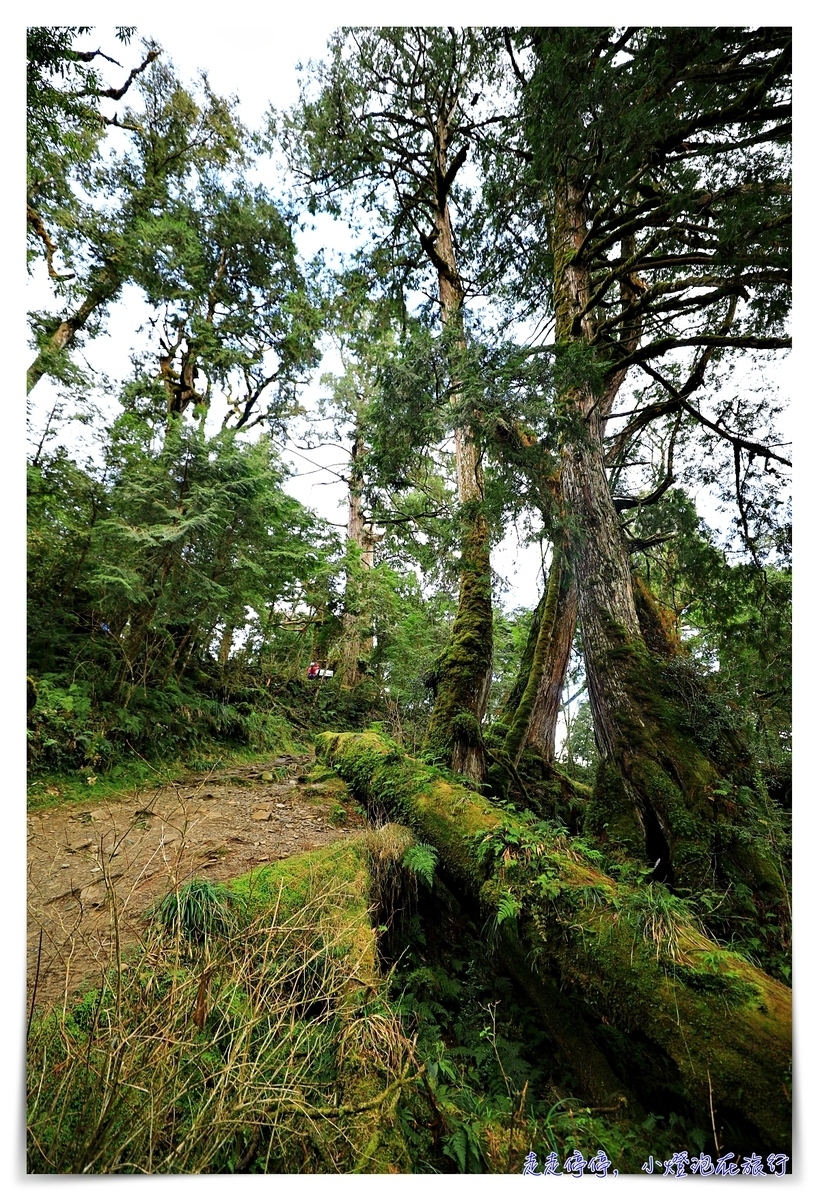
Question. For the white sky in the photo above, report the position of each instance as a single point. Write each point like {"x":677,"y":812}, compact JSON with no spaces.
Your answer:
{"x":255,"y":58}
{"x":257,"y":63}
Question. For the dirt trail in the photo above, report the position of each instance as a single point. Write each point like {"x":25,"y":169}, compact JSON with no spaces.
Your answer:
{"x":87,"y":862}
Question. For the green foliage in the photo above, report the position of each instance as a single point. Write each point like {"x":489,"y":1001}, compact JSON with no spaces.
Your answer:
{"x":736,"y":625}
{"x":172,"y":553}
{"x":509,"y":908}
{"x":197,"y":911}
{"x":177,"y":592}
{"x":120,"y":216}
{"x":579,"y":750}
{"x":421,"y":859}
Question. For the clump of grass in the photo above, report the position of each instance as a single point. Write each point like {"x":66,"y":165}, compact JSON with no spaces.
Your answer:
{"x":197,"y":910}
{"x":226,"y":1043}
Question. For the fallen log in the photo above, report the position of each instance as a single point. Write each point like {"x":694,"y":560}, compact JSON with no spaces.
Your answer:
{"x":630,"y":956}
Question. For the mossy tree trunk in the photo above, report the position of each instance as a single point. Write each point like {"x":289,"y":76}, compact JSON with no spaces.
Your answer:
{"x":542,"y":679}
{"x":628,"y":959}
{"x":464,"y":674}
{"x":668,"y":790}
{"x":357,"y":637}
{"x":517,"y":735}
{"x":542,"y":732}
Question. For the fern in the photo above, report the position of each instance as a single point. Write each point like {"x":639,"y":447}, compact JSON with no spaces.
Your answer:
{"x":421,"y":859}
{"x":509,"y":907}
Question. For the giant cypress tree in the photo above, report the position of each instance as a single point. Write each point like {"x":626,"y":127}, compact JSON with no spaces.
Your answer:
{"x":396,"y":116}
{"x":657,"y":165}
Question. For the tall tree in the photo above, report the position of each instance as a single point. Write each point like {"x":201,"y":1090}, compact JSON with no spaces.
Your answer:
{"x":657,"y":159}
{"x":233,"y":311}
{"x":393,"y":122}
{"x":65,"y":124}
{"x":116,"y":227}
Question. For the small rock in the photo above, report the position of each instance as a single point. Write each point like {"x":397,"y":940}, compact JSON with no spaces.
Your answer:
{"x":93,"y":896}
{"x":260,"y":814}
{"x":75,"y":849}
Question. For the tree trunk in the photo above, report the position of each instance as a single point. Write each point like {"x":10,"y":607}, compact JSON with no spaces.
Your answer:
{"x":666,"y":789}
{"x":357,"y":637}
{"x":628,"y":958}
{"x":225,"y":645}
{"x":464,"y":676}
{"x":517,"y":735}
{"x":542,"y":728}
{"x":542,"y":732}
{"x":607,"y":610}
{"x":105,"y":286}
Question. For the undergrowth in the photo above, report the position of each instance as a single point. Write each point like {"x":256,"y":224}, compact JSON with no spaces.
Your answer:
{"x":223,"y":1046}
{"x":497,"y":1086}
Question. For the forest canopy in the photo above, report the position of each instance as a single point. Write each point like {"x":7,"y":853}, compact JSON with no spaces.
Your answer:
{"x":558,"y":309}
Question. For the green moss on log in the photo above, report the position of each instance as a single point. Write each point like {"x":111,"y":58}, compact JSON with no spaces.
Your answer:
{"x":340,"y":884}
{"x":633,"y":957}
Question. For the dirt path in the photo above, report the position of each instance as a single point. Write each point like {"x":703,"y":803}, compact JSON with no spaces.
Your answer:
{"x":87,"y":862}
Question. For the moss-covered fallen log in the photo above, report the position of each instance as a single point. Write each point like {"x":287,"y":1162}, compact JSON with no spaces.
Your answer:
{"x":629,"y":954}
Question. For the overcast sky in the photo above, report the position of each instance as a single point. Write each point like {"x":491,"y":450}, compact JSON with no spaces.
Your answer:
{"x":255,"y":59}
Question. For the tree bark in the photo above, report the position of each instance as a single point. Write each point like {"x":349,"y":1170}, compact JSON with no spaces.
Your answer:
{"x":357,"y":638}
{"x":596,"y":545}
{"x":617,"y":953}
{"x":517,"y":735}
{"x":105,"y":286}
{"x":665,"y":787}
{"x":542,"y":731}
{"x":464,"y":677}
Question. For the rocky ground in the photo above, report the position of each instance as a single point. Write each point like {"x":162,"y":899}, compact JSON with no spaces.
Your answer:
{"x":95,"y":870}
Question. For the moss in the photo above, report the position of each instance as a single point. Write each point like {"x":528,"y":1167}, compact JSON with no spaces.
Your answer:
{"x":706,"y":827}
{"x":512,"y":701}
{"x":618,"y":951}
{"x":521,"y":722}
{"x":454,"y":735}
{"x":343,"y":884}
{"x":657,"y":623}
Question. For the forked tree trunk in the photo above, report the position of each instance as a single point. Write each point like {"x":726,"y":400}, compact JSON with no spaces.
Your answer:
{"x":667,"y":789}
